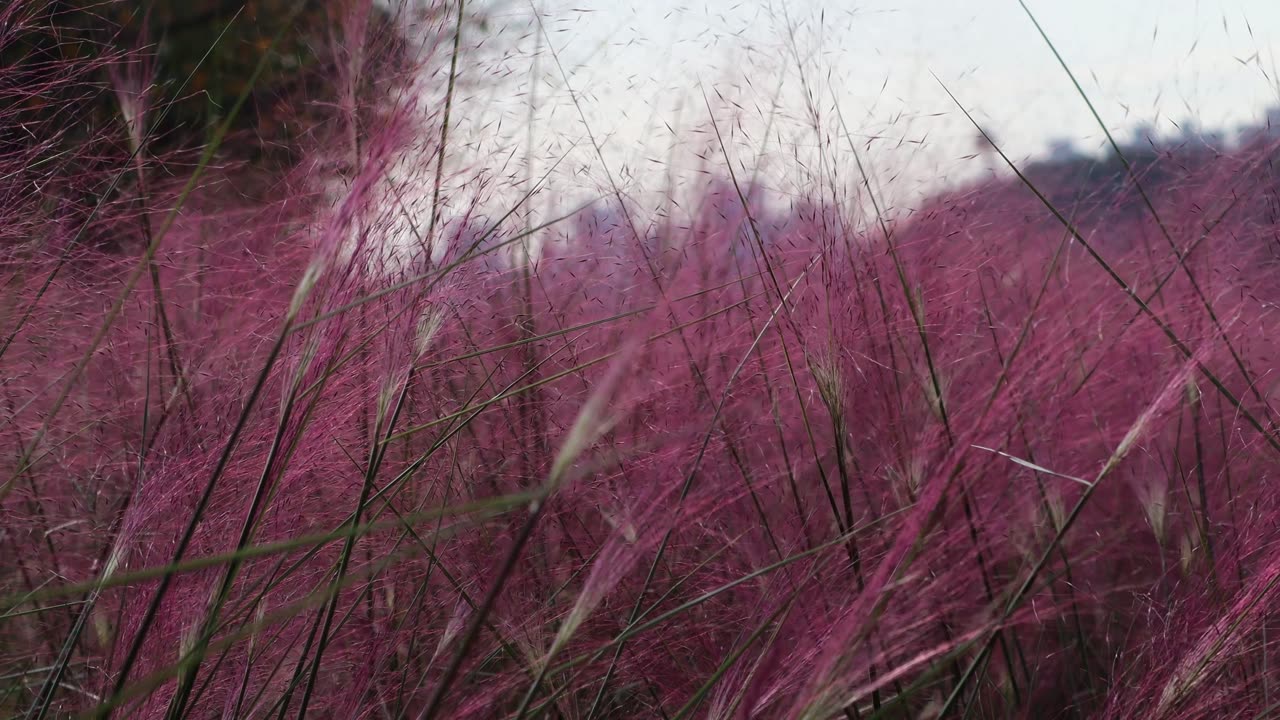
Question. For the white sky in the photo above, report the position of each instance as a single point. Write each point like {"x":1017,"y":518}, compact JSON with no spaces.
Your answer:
{"x":639,"y":66}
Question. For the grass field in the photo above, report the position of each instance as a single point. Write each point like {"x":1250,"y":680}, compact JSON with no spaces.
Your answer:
{"x":1008,"y":454}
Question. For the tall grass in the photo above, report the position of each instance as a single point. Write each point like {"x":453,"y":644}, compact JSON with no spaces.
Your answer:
{"x":1007,"y":455}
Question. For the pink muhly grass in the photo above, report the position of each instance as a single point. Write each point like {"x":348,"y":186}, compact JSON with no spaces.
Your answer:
{"x":349,"y":450}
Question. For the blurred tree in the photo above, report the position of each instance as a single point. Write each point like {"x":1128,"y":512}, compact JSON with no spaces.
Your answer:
{"x":234,"y":34}
{"x":171,"y":38}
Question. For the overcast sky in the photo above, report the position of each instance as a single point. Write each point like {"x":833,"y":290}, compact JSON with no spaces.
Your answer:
{"x":638,"y":70}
